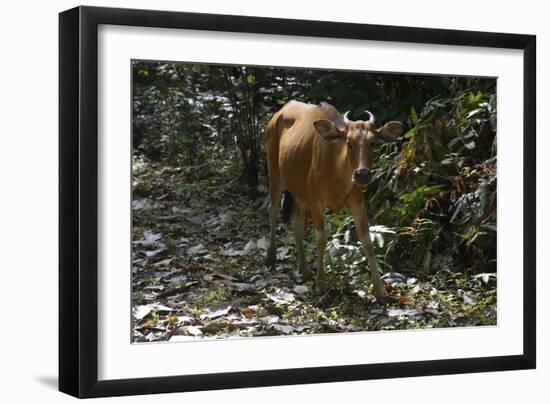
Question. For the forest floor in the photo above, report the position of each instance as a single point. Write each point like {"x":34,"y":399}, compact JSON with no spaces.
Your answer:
{"x":199,"y":243}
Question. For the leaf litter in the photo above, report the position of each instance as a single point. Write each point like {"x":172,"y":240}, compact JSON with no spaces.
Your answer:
{"x":198,"y":273}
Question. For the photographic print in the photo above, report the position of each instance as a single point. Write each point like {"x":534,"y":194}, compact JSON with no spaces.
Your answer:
{"x":281,"y":201}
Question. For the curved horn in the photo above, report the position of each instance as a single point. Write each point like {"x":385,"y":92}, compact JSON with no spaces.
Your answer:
{"x":346,"y":119}
{"x":371,"y":117}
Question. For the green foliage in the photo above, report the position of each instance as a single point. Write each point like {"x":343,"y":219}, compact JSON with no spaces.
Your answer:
{"x":437,"y":189}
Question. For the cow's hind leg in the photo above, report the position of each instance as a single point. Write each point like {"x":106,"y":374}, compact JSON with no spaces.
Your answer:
{"x":298,"y":230}
{"x":321,"y":239}
{"x":275,"y":193}
{"x":275,"y":187}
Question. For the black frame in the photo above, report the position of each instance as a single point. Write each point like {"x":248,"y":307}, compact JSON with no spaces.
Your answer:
{"x":78,"y":206}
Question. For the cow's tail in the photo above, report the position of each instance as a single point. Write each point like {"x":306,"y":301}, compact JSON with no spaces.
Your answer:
{"x":286,"y":209}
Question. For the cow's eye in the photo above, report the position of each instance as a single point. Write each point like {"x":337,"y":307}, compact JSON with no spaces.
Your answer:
{"x":349,"y":143}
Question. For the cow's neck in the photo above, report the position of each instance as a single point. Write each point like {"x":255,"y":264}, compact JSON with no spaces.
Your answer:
{"x":335,"y":180}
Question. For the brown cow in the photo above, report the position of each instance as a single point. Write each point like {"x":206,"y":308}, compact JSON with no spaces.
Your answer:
{"x":322,"y":159}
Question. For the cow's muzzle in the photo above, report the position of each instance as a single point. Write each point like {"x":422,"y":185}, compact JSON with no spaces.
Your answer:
{"x":361,"y":176}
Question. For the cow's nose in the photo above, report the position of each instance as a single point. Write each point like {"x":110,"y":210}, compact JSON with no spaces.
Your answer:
{"x":361,"y":175}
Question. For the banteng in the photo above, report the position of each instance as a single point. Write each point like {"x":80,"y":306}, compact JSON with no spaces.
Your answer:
{"x":323,"y":160}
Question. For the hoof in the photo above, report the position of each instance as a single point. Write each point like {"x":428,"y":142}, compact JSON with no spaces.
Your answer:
{"x":270,"y":261}
{"x":321,"y":286}
{"x":386,"y":299}
{"x":319,"y":290}
{"x":307,"y":275}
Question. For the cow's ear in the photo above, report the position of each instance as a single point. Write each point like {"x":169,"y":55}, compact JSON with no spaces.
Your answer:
{"x":328,"y":130}
{"x":390,"y":131}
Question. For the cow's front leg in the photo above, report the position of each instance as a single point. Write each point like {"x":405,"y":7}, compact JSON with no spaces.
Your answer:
{"x":321,"y":240}
{"x":298,"y":230}
{"x":359,"y":213}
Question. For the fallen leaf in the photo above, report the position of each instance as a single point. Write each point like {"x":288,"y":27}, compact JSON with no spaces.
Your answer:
{"x":177,"y":279}
{"x":149,"y":238}
{"x":184,"y":319}
{"x":280,"y":296}
{"x":395,"y":312}
{"x":225,"y":218}
{"x":282,"y":252}
{"x":154,"y":287}
{"x":192,"y":330}
{"x":468,"y":300}
{"x":244,"y":287}
{"x":211,"y":314}
{"x":285,"y":329}
{"x":158,"y":275}
{"x":262,"y":243}
{"x":249,"y":247}
{"x":231,"y":252}
{"x":164,"y":263}
{"x":300,"y":289}
{"x":269,"y":319}
{"x":198,"y":249}
{"x":411,"y":281}
{"x":161,"y":308}
{"x":144,"y":204}
{"x":141,"y":311}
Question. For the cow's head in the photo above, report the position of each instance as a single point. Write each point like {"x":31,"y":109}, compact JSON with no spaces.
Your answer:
{"x":359,"y":137}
